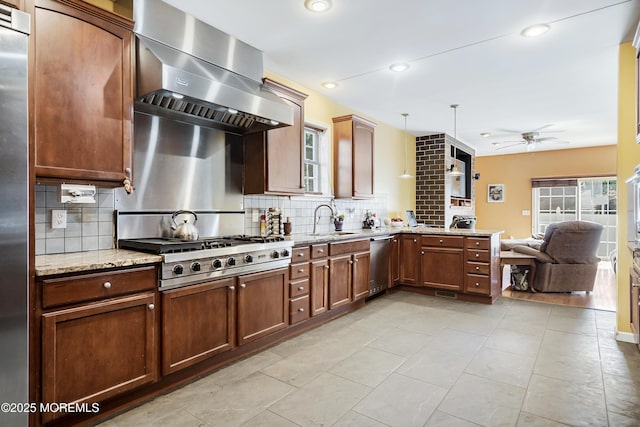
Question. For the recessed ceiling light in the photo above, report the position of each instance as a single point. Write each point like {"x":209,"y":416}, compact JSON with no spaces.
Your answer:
{"x":399,"y":67}
{"x":329,"y":85}
{"x":318,"y":5}
{"x":485,"y":134}
{"x":535,"y":30}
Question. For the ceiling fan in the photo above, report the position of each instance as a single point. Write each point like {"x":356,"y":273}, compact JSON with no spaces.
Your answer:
{"x":530,"y":138}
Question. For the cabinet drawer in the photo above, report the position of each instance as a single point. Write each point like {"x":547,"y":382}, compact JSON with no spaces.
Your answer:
{"x":349,"y":247}
{"x":478,"y":255}
{"x":477,"y":243}
{"x":299,"y":309}
{"x":299,"y":287}
{"x":87,"y":287}
{"x":319,"y":251}
{"x":478,"y":284}
{"x":301,"y":254}
{"x":478,"y":268}
{"x":444,"y":241}
{"x":297,"y":271}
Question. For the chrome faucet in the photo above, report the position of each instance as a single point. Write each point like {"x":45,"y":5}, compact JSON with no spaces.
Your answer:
{"x":315,"y":215}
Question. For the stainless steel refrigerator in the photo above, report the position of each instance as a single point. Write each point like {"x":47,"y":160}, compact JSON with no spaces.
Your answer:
{"x":14,"y":214}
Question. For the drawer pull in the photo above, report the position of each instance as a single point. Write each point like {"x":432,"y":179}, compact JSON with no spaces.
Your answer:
{"x":232,"y":288}
{"x":350,"y":262}
{"x":301,"y":310}
{"x":152,"y":306}
{"x":477,"y":243}
{"x":415,"y":240}
{"x":477,"y":268}
{"x":421,"y":252}
{"x":300,"y":254}
{"x":441,"y":241}
{"x":477,"y":284}
{"x":301,"y":270}
{"x":326,"y":266}
{"x":243,"y":285}
{"x":107,"y":285}
{"x":320,"y":251}
{"x":477,"y":255}
{"x":301,"y":288}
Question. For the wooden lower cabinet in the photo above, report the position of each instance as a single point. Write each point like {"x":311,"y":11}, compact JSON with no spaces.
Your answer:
{"x":340,"y":285}
{"x":99,"y":350}
{"x":361,"y":266}
{"x":442,"y":268}
{"x":409,"y":270}
{"x":198,"y":322}
{"x":263,"y":304}
{"x":395,"y":261}
{"x":319,"y":278}
{"x":634,"y":288}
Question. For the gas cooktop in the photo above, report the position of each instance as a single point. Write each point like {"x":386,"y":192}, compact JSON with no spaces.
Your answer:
{"x":167,"y":245}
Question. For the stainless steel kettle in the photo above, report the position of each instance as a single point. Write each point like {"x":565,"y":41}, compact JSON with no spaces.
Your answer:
{"x":186,"y":230}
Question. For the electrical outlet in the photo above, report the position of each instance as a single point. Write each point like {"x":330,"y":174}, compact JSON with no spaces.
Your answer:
{"x":255,"y":215}
{"x":526,"y":213}
{"x":58,"y":218}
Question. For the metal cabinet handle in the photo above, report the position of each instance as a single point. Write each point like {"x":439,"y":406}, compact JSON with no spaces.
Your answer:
{"x":477,"y":268}
{"x":326,"y":266}
{"x":350,"y":262}
{"x":301,"y":270}
{"x":441,"y":241}
{"x":477,"y":284}
{"x":243,"y":285}
{"x":477,"y":243}
{"x":320,"y":251}
{"x":232,"y":288}
{"x":301,"y":288}
{"x":421,"y":252}
{"x":301,"y":310}
{"x":107,"y":285}
{"x":415,"y":240}
{"x":152,"y":306}
{"x":477,"y":255}
{"x":300,"y":254}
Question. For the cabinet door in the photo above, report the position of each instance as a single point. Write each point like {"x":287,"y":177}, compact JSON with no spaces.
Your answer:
{"x":395,"y":261}
{"x":361,"y":270}
{"x":442,"y":268}
{"x":273,"y":159}
{"x":83,"y":93}
{"x":409,"y":260}
{"x":362,"y":160}
{"x":340,"y":280}
{"x":197,"y":322}
{"x":634,"y":282}
{"x":263,"y":304}
{"x":93,"y":352}
{"x":319,"y":275}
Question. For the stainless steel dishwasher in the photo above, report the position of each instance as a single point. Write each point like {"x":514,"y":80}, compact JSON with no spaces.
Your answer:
{"x":380,"y":260}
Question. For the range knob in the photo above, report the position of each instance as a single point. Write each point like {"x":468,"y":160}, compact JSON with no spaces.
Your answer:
{"x":285,"y":253}
{"x":275,"y":254}
{"x":248,"y":258}
{"x":178,"y":269}
{"x":216,"y":263}
{"x":195,"y":266}
{"x":231,"y":261}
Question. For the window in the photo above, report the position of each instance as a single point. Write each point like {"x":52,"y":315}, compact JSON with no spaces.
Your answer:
{"x":586,"y":199}
{"x":312,"y":160}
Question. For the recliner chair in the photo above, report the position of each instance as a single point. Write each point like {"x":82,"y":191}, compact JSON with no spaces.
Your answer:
{"x":566,"y":260}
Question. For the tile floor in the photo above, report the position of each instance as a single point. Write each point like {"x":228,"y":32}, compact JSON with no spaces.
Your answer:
{"x":414,"y":360}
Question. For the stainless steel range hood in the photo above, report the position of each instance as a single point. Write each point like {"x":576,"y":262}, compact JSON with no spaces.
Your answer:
{"x":194,"y":73}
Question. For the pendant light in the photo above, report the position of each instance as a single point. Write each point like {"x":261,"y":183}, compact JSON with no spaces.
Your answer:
{"x":406,"y":174}
{"x":453,"y":169}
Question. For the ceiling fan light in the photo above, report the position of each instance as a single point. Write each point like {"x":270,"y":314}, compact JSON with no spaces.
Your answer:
{"x":535,"y":30}
{"x":329,"y":85}
{"x":318,"y":5}
{"x":399,"y":67}
{"x":531,"y":146}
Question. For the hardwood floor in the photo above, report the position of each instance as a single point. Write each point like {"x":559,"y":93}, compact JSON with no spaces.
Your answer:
{"x":603,"y":297}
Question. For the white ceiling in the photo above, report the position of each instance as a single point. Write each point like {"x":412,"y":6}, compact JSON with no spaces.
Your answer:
{"x":465,"y":52}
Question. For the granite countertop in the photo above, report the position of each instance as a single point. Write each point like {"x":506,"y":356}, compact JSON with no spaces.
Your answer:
{"x":47,"y":265}
{"x":303,"y":239}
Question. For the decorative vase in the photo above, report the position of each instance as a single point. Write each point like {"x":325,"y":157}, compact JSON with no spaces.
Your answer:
{"x":338,"y":224}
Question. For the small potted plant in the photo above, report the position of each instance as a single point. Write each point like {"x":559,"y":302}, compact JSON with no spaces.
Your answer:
{"x":338,"y":220}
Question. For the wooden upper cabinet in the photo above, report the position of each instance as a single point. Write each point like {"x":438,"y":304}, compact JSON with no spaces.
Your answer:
{"x":273,"y":159}
{"x":353,"y":139}
{"x":82,"y":86}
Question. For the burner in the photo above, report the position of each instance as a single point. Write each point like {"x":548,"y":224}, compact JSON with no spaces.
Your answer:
{"x":214,"y":244}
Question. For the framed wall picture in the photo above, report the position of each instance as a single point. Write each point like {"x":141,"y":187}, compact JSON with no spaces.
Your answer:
{"x":495,"y":193}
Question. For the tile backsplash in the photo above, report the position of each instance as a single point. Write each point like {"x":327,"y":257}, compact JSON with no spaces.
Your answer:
{"x":91,"y":226}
